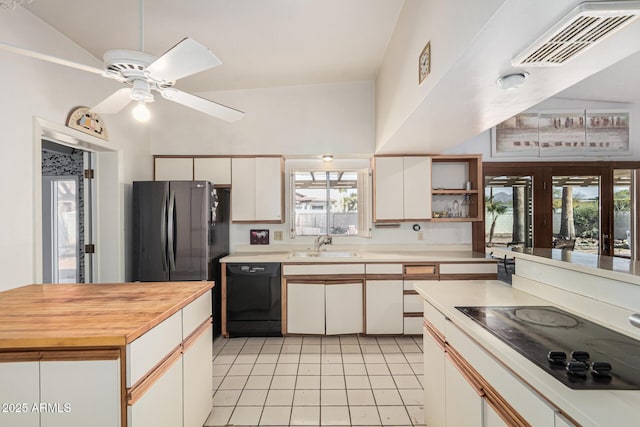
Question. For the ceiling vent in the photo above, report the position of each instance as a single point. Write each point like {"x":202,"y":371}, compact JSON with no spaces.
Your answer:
{"x":584,"y":27}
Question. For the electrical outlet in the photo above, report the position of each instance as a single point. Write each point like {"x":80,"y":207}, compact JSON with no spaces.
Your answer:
{"x":420,"y":235}
{"x":277,"y":235}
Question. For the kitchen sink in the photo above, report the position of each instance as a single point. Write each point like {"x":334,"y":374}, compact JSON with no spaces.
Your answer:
{"x":323,"y":254}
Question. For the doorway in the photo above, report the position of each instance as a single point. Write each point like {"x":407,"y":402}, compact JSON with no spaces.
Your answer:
{"x":66,"y":214}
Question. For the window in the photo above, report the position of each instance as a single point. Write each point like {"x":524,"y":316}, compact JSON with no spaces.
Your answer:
{"x":330,"y":202}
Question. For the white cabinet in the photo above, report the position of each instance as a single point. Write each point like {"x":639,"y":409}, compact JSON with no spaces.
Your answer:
{"x":197,"y":376}
{"x":213,"y":169}
{"x":343,"y":309}
{"x":173,"y":169}
{"x":330,"y":308}
{"x":19,"y":390}
{"x":384,"y":307}
{"x":434,"y":364}
{"x":305,"y":308}
{"x":402,"y":188}
{"x":82,"y":392}
{"x":257,"y":189}
{"x":490,"y":417}
{"x":463,"y":403}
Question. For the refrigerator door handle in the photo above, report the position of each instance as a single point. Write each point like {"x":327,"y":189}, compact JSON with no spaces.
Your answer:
{"x":163,"y":232}
{"x":171,"y":231}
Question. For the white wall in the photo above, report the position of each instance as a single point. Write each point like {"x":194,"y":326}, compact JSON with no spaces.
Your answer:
{"x":482,"y":142}
{"x":32,"y":88}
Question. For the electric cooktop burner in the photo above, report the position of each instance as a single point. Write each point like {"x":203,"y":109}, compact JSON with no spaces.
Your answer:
{"x":579,"y":353}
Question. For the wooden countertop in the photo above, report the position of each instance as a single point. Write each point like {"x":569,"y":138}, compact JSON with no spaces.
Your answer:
{"x":62,"y":316}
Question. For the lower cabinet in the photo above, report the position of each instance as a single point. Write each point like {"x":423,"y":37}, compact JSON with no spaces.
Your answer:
{"x":385,"y":312}
{"x":324,"y":307}
{"x":458,"y":391}
{"x":434,"y":397}
{"x":197,"y":379}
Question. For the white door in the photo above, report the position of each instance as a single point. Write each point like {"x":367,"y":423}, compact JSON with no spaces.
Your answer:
{"x":305,"y":308}
{"x":19,"y":390}
{"x":81,"y":393}
{"x":343,"y":308}
{"x":389,"y":188}
{"x":492,"y":419}
{"x":269,"y":197}
{"x":197,"y":371}
{"x":216,"y":170}
{"x":434,"y":387}
{"x":174,"y":169}
{"x":385,"y":313}
{"x":464,"y":404}
{"x":417,"y":188}
{"x":243,"y":189}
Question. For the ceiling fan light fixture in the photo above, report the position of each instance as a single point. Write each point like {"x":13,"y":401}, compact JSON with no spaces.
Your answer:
{"x":141,"y":113}
{"x":512,"y":81}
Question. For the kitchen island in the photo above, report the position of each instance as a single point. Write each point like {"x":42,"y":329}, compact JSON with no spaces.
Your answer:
{"x":472,"y":365}
{"x":106,"y":354}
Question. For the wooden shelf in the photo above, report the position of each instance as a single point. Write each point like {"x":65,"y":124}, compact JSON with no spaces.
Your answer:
{"x":452,"y":191}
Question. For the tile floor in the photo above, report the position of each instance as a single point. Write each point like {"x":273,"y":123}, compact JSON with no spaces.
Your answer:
{"x":296,"y":381}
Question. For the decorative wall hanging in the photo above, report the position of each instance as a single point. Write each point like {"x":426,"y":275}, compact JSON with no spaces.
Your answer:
{"x":424,"y":63}
{"x":85,"y":121}
{"x":259,"y":237}
{"x":562,"y":133}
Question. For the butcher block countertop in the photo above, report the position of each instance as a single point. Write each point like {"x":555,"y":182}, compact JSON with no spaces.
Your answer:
{"x":88,"y":315}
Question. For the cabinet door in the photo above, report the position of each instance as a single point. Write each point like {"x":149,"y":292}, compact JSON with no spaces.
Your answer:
{"x":197,"y":371}
{"x":19,"y":391}
{"x":459,"y":394}
{"x":174,"y":169}
{"x":490,"y":417}
{"x":305,"y":308}
{"x":256,"y":189}
{"x":161,"y":404}
{"x":384,"y":307}
{"x":213,"y":169}
{"x":389,"y":189}
{"x":417,"y":188}
{"x":343,"y":308}
{"x":81,"y":393}
{"x":434,"y":384}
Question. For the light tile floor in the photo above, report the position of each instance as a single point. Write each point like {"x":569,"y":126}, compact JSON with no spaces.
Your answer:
{"x":296,"y":381}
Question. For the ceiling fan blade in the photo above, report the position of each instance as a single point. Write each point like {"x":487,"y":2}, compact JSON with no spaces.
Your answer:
{"x":114,"y":103}
{"x":204,"y":105}
{"x":44,"y":57}
{"x":184,"y":59}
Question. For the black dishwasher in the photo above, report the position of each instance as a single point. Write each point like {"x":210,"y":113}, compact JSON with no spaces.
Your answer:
{"x":253,"y":300}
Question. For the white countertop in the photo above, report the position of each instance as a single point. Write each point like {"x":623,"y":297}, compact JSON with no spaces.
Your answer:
{"x":364,"y":255}
{"x":588,"y":407}
{"x":616,"y":268}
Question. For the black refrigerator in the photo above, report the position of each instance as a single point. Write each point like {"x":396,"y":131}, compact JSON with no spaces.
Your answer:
{"x":180,"y":232}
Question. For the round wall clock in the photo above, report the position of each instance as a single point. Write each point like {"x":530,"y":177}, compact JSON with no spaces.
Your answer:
{"x":424,"y":63}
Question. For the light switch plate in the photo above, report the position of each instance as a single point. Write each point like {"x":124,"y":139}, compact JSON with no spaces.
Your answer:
{"x":277,"y":235}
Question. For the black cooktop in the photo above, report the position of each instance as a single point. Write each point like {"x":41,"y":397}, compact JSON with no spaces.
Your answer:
{"x":536,"y":331}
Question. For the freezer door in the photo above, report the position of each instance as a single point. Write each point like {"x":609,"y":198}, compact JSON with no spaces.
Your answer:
{"x":150,"y":204}
{"x":189,"y":225}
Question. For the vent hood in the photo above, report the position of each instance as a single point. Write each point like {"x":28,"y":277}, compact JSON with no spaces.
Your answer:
{"x":585,"y":26}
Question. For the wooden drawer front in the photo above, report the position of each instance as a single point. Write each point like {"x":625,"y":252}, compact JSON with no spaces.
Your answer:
{"x":384,"y":268}
{"x":469,"y":268}
{"x":433,"y":316}
{"x":413,"y":303}
{"x":322,"y":269}
{"x":195,"y":313}
{"x":413,"y":325}
{"x":422,"y":270}
{"x":145,"y":352}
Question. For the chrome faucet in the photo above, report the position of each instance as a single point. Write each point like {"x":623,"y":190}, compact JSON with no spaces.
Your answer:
{"x":321,"y":240}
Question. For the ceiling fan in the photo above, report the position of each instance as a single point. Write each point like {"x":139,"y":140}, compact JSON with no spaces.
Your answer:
{"x":143,"y":74}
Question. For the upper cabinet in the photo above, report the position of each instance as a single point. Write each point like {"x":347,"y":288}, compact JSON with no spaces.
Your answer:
{"x":258,"y":189}
{"x":402,"y":188}
{"x":438,"y":188}
{"x":216,"y":170}
{"x":173,"y":168}
{"x":456,"y":182}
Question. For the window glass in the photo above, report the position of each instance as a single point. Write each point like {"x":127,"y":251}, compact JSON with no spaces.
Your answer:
{"x":622,"y":230}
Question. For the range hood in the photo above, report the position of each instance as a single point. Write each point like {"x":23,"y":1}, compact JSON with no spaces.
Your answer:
{"x":585,"y":26}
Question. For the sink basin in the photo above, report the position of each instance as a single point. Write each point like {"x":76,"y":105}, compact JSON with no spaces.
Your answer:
{"x":323,"y":254}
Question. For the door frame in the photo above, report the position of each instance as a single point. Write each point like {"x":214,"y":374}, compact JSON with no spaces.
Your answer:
{"x":543,"y":172}
{"x":108,"y":261}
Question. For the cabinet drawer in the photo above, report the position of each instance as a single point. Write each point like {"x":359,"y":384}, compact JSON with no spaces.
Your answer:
{"x":413,"y":325}
{"x":422,"y":270}
{"x":413,"y":303}
{"x":433,"y":316}
{"x":145,"y":352}
{"x":195,"y":313}
{"x":384,"y":268}
{"x":469,"y":268}
{"x":322,"y":269}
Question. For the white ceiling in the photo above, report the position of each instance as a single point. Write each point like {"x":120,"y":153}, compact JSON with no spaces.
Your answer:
{"x":261,"y":43}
